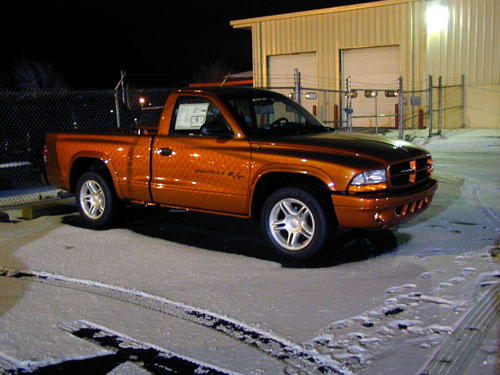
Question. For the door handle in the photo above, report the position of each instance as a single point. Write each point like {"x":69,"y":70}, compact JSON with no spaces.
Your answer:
{"x":167,"y":151}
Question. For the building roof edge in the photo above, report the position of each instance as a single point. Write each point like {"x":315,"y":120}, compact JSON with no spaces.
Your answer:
{"x":247,"y":22}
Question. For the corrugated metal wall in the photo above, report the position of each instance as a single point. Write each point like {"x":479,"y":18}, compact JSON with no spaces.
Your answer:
{"x":328,"y":31}
{"x":470,"y":45}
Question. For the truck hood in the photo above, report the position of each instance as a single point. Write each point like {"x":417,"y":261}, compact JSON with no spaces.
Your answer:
{"x":356,"y":145}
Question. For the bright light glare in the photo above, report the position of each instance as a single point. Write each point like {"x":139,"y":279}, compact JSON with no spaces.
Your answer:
{"x":437,"y":17}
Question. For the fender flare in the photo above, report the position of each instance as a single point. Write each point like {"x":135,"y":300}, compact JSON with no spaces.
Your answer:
{"x":105,"y":160}
{"x":312,"y":171}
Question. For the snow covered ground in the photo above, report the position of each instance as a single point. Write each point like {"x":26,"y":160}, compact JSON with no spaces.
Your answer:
{"x":196,"y":293}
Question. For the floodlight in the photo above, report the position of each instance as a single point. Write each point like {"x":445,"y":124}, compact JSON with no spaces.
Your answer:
{"x":437,"y":17}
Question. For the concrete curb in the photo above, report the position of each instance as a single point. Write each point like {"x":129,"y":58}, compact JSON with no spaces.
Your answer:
{"x":58,"y":207}
{"x":39,"y":209}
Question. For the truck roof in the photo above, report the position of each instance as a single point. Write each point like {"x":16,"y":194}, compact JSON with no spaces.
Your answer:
{"x":218,"y":90}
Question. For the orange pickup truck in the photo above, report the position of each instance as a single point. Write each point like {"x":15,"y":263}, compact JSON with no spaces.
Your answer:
{"x":248,"y":153}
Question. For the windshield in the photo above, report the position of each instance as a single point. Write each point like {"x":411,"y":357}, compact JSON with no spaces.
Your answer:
{"x":267,"y":114}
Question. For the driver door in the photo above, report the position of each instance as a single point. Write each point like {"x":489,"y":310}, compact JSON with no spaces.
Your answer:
{"x":194,"y":170}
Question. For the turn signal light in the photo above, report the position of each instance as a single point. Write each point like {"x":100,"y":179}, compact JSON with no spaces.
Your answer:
{"x":367,"y":188}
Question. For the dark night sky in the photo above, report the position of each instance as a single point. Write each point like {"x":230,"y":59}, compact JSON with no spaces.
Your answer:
{"x":156,"y":42}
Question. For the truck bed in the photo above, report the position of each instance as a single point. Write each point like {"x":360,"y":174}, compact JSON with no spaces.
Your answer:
{"x":125,"y":151}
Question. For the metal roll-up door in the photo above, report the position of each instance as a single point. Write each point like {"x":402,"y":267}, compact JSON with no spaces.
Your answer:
{"x":372,"y":68}
{"x":281,"y":74}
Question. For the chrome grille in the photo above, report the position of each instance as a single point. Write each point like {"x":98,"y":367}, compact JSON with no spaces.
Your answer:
{"x":410,"y":172}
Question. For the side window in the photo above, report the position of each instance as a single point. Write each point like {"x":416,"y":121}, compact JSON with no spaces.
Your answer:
{"x":191,"y":113}
{"x":267,"y":111}
{"x":243,"y":110}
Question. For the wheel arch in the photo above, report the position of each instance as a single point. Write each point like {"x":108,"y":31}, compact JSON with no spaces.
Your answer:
{"x":84,"y":164}
{"x":272,"y":181}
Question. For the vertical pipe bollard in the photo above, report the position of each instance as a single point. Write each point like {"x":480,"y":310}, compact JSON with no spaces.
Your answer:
{"x":396,"y":119}
{"x":440,"y":119}
{"x":430,"y":106}
{"x":463,"y":100}
{"x":401,"y":108}
{"x":336,"y":123}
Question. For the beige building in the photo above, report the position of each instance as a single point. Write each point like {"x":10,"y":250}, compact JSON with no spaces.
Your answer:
{"x":372,"y":45}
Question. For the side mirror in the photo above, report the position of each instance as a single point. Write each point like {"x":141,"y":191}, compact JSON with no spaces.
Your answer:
{"x":217,"y":129}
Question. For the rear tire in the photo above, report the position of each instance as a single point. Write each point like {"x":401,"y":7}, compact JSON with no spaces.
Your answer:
{"x":296,"y":224}
{"x":96,"y":199}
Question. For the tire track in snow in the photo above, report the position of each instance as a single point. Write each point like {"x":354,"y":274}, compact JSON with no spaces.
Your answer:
{"x":148,"y":356}
{"x":357,"y":341}
{"x":295,"y":356}
{"x":118,"y":349}
{"x":490,"y":215}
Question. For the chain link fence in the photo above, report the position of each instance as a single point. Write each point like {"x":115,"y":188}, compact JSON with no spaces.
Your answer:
{"x":26,"y":117}
{"x":360,"y":107}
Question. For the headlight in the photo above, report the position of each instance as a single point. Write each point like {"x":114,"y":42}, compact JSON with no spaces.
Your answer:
{"x":369,"y":181}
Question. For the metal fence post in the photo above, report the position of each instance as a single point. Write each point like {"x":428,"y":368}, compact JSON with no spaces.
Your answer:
{"x":401,"y":108}
{"x":349,"y":104}
{"x":297,"y":85}
{"x":463,"y":100}
{"x":123,"y":86}
{"x":341,"y":108}
{"x":117,"y":104}
{"x":440,"y":119}
{"x":430,"y":106}
{"x":117,"y":109}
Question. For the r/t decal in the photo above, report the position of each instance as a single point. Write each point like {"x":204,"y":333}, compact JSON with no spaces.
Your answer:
{"x":235,"y":175}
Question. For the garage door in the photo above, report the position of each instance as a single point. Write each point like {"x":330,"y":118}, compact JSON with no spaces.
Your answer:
{"x":370,"y":69}
{"x":281,"y":74}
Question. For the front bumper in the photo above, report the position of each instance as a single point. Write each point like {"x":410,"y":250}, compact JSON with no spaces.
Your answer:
{"x":384,"y":210}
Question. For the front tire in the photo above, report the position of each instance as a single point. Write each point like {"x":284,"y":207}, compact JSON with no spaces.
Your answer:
{"x":296,"y":224}
{"x":96,"y":199}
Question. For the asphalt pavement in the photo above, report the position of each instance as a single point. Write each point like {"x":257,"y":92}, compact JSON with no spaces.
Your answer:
{"x":201,"y":294}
